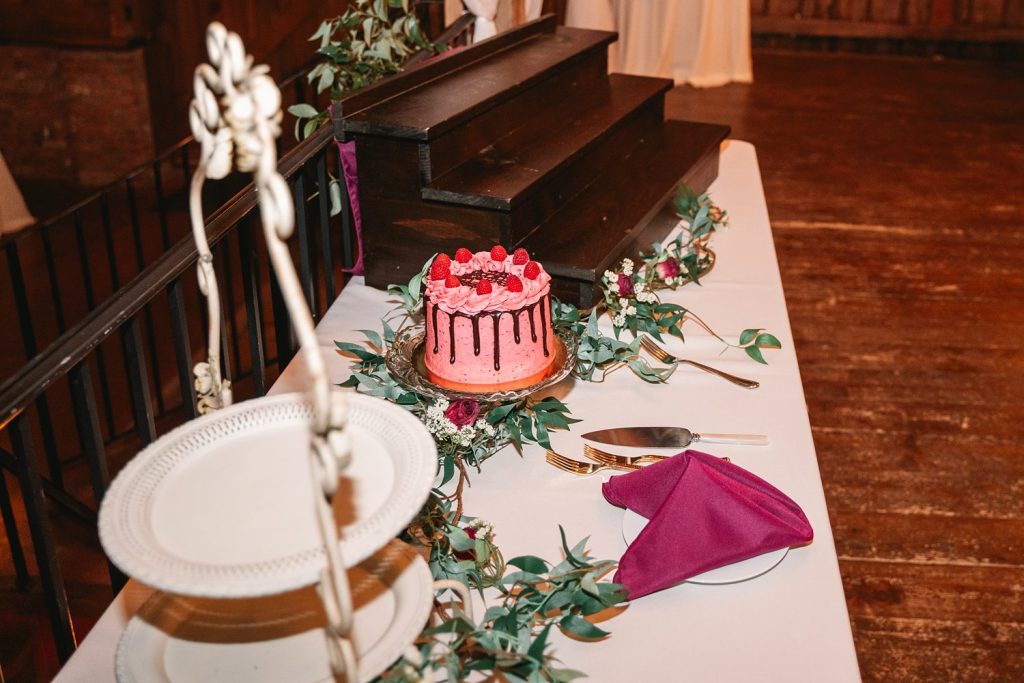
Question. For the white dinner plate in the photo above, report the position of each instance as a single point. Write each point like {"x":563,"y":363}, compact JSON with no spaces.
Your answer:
{"x":223,"y":506}
{"x":173,"y":639}
{"x":633,"y":524}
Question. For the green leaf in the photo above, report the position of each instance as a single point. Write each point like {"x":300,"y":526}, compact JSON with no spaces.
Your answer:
{"x":335,"y":197}
{"x":570,"y":558}
{"x":747,"y":336}
{"x":529,"y":563}
{"x":499,"y":413}
{"x":326,"y":81}
{"x":767,"y":341}
{"x":542,"y":434}
{"x":356,"y":350}
{"x":579,"y":626}
{"x":565,"y":675}
{"x":303,"y":111}
{"x":459,"y":539}
{"x":448,"y":471}
{"x":373,"y":337}
{"x":540,"y":642}
{"x":555,"y":420}
{"x":755,"y":353}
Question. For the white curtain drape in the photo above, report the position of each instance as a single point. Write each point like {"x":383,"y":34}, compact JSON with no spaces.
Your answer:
{"x":493,"y":15}
{"x":14,"y":214}
{"x":700,"y":42}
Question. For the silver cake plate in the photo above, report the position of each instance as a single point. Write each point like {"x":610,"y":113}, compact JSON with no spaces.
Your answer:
{"x":405,"y":362}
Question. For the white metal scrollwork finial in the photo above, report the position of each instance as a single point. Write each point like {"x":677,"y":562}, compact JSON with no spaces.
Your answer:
{"x":236,"y":117}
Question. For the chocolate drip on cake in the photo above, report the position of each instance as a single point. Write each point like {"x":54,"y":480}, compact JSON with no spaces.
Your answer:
{"x":543,"y":326}
{"x":497,"y":349}
{"x":433,"y":316}
{"x":474,"y":320}
{"x":451,"y":337}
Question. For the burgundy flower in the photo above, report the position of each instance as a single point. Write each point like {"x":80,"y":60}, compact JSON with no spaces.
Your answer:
{"x":667,"y":268}
{"x":625,"y":285}
{"x":464,"y":412}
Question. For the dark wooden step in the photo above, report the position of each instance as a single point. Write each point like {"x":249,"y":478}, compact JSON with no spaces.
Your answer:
{"x":503,"y":175}
{"x":437,"y":106}
{"x":585,"y":85}
{"x":613,"y":217}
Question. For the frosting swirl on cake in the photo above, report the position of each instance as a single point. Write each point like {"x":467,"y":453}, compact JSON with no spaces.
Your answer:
{"x":481,"y":266}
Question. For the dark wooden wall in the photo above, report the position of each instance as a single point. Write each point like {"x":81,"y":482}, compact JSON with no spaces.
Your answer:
{"x":961,"y":20}
{"x":275,"y":32}
{"x":80,"y":23}
{"x":89,"y":89}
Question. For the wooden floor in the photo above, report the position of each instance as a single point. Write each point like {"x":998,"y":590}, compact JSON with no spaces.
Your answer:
{"x":895,"y":187}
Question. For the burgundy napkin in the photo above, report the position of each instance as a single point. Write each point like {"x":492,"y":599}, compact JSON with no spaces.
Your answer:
{"x":704,"y":513}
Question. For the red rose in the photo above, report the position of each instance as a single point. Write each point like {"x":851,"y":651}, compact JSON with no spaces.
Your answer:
{"x":464,"y":412}
{"x":625,"y":285}
{"x":667,"y":268}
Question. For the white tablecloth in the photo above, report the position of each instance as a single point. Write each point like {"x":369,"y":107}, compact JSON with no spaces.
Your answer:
{"x":788,"y":625}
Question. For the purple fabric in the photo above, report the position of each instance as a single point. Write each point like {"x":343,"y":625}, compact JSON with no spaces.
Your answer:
{"x":347,"y":151}
{"x":704,"y":513}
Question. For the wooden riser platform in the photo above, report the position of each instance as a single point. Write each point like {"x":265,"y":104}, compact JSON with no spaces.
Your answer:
{"x":524,"y":140}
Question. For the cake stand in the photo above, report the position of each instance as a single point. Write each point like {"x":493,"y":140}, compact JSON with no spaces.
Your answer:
{"x":248,"y":500}
{"x":404,"y":360}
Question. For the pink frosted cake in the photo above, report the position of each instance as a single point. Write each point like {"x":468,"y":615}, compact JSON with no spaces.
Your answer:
{"x":488,"y":320}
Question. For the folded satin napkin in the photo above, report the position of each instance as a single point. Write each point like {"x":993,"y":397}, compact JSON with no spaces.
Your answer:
{"x":703,"y":513}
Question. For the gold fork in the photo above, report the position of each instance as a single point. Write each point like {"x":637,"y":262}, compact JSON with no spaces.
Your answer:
{"x":626,"y":460}
{"x":613,"y":459}
{"x":665,"y":357}
{"x":583,"y":468}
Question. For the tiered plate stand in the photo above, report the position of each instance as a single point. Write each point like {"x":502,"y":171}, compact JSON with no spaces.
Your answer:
{"x":268,"y":527}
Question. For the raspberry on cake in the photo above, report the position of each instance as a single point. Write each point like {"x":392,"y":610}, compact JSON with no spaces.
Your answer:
{"x":488,"y":321}
{"x":440,"y":267}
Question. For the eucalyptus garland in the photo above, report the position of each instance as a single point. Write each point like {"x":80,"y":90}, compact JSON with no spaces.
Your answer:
{"x":511,"y":640}
{"x":369,"y":41}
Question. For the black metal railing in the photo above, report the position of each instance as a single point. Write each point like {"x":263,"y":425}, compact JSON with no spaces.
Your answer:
{"x":118,"y":310}
{"x":145,"y":321}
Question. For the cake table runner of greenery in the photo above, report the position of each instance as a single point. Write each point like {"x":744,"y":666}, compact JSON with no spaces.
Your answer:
{"x":533,"y":596}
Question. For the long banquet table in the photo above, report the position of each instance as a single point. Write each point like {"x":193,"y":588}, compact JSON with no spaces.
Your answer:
{"x":790,"y":624}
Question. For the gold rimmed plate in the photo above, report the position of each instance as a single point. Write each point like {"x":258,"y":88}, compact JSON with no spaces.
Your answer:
{"x":405,"y":362}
